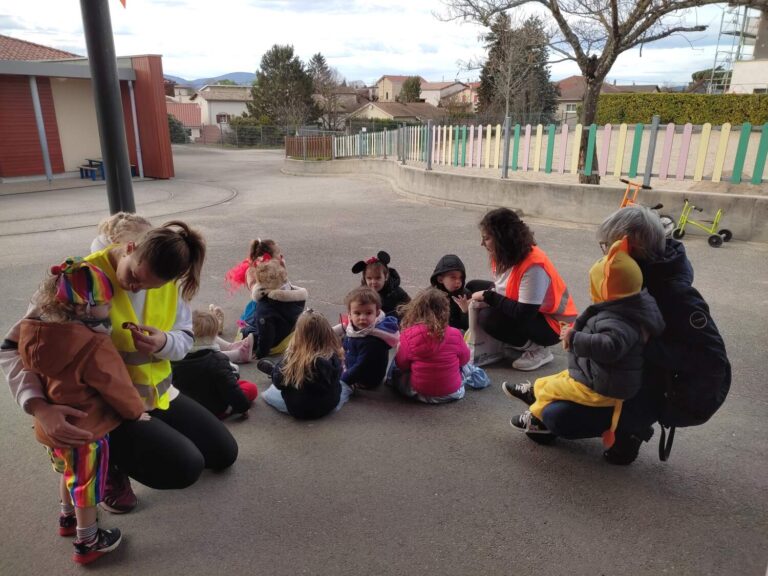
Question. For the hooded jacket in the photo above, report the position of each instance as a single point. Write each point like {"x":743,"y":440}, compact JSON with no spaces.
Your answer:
{"x":366,"y":352}
{"x":449,"y":263}
{"x":392,"y":295}
{"x":82,"y":369}
{"x":434,"y":365}
{"x":208,"y":377}
{"x":606,"y":347}
{"x":275,"y":316}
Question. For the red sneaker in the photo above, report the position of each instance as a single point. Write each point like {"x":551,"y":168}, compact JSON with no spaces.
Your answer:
{"x":118,"y":494}
{"x":105,"y":541}
{"x":67,"y":525}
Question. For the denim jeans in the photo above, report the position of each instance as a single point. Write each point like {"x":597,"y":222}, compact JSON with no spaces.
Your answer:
{"x":274,"y":398}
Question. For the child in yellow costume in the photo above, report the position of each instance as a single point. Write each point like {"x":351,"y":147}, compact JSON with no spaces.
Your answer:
{"x":605,"y":345}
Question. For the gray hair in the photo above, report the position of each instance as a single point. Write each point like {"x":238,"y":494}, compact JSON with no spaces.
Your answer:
{"x":643,"y":228}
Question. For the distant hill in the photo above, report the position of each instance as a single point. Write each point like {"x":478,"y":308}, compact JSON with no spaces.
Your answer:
{"x":242,"y":78}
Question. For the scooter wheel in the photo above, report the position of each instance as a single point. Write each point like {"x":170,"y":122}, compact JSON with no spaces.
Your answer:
{"x":678,"y":233}
{"x":715,"y":241}
{"x":726,"y":234}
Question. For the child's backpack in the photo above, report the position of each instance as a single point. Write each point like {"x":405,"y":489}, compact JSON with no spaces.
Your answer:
{"x":695,"y":391}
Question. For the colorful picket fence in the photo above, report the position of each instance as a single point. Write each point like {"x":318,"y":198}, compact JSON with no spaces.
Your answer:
{"x":723,"y":153}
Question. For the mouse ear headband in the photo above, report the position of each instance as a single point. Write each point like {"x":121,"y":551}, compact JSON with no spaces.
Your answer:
{"x":381,"y":256}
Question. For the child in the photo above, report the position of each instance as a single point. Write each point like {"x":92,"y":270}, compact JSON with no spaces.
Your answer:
{"x":306,"y":383}
{"x":605,"y":346}
{"x":385,"y":280}
{"x":120,"y":228}
{"x":449,"y":277}
{"x":207,"y":376}
{"x":431,"y":352}
{"x":69,"y":348}
{"x":278,"y":307}
{"x":368,"y":337}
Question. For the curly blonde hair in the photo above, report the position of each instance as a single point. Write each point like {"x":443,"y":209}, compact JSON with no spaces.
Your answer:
{"x":52,"y":309}
{"x":429,"y":307}
{"x":124,"y":227}
{"x":205,"y":326}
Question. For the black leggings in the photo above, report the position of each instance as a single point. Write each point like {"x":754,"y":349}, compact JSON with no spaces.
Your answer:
{"x":171,"y":450}
{"x":504,"y":329}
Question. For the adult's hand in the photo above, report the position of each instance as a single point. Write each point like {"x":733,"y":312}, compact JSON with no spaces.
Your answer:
{"x":148,"y":339}
{"x":479,"y":296}
{"x":52,"y":418}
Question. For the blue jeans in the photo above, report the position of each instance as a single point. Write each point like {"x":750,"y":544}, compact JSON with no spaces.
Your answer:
{"x":274,"y":398}
{"x":401,"y":383}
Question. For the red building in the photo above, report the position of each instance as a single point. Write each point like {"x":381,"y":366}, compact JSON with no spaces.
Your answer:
{"x":58,"y":84}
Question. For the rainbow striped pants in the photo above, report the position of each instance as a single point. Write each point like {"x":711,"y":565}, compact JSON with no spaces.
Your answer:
{"x":84,"y":469}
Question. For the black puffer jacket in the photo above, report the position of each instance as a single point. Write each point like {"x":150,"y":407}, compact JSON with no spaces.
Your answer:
{"x":449,"y":263}
{"x":392,"y":295}
{"x":208,"y":377}
{"x":606,"y":346}
{"x":317,"y":396}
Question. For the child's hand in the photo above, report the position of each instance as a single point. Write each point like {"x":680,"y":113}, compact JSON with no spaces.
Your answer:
{"x":565,"y":332}
{"x":462,"y":302}
{"x":148,"y":339}
{"x":478,"y":296}
{"x":145,"y":417}
{"x":250,"y":277}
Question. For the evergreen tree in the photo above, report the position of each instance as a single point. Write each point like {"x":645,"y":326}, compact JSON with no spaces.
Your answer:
{"x":178,"y":132}
{"x":282,"y":90}
{"x":411,"y":90}
{"x":515,"y":78}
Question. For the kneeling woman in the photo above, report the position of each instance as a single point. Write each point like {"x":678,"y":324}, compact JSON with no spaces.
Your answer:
{"x":527,"y":301}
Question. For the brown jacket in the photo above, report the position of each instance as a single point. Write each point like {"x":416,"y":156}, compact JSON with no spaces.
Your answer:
{"x":82,"y":369}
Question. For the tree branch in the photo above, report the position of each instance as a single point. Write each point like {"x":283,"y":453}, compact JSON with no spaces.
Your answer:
{"x":660,"y":35}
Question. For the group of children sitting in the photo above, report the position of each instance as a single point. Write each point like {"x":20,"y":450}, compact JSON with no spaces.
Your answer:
{"x":417,"y":346}
{"x":321,"y":365}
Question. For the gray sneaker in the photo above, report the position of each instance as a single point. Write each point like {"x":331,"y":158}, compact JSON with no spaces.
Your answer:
{"x":533,"y":357}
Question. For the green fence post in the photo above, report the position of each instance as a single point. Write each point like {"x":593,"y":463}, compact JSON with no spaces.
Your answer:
{"x":636,"y":150}
{"x":550,"y":148}
{"x":464,"y":145}
{"x":590,"y":150}
{"x":762,"y":153}
{"x":516,"y":147}
{"x":741,"y":153}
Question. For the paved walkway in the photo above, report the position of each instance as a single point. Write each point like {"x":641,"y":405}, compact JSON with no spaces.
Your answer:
{"x":386,"y":486}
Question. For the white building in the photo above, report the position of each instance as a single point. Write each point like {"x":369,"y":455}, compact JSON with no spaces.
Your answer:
{"x":436,"y":92}
{"x":220,"y":103}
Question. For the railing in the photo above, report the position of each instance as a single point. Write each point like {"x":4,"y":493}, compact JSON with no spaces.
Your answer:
{"x":733,"y":153}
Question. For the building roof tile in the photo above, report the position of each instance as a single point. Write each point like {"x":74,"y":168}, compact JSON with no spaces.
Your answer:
{"x":15,"y":49}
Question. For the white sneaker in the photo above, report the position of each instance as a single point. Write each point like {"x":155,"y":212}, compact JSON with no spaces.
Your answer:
{"x":245,"y":353}
{"x":533,"y":357}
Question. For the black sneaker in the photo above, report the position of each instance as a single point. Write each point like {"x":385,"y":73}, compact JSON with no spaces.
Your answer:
{"x":527,"y":422}
{"x":522,"y":391}
{"x":265,"y":366}
{"x":106,"y":541}
{"x":67,"y":525}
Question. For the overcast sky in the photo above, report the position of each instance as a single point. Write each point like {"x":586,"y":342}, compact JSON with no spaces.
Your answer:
{"x":362,"y":39}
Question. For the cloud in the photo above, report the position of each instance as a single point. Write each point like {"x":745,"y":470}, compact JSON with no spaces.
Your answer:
{"x":429,"y":48}
{"x":8,"y":22}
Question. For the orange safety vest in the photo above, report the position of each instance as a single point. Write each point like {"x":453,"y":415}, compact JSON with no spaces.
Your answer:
{"x":562,"y":309}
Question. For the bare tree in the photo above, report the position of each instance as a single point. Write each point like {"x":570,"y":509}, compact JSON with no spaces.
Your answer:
{"x":593,"y":33}
{"x":326,"y":82}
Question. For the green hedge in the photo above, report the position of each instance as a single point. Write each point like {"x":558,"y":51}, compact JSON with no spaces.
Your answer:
{"x":683,"y":108}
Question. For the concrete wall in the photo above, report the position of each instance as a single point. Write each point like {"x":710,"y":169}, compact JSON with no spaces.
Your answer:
{"x":215,"y":107}
{"x":76,"y":119}
{"x":745,"y":216}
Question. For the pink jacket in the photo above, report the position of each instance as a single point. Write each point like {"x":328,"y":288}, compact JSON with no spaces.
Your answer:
{"x":434,"y":366}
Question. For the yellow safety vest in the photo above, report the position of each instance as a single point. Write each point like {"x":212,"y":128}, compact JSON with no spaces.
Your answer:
{"x":150,"y":375}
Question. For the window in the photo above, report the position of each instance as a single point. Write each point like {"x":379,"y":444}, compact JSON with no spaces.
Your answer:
{"x":570,"y":108}
{"x":222,"y":118}
{"x":386,"y":95}
{"x":760,"y":91}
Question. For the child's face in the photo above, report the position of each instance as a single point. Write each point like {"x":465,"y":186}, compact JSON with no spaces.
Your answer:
{"x":362,"y":315}
{"x":451,"y":281}
{"x":375,"y":278}
{"x":134,"y":275}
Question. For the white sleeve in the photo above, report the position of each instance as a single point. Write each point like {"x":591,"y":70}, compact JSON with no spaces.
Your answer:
{"x":99,"y":243}
{"x":24,"y":385}
{"x":533,"y":286}
{"x":179,"y":338}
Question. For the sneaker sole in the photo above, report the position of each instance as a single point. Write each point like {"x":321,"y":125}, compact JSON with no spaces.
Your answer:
{"x":541,"y":363}
{"x":83,"y":559}
{"x":108,"y":508}
{"x":67,"y":532}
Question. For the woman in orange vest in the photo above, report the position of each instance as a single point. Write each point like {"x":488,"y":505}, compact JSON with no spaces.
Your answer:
{"x":527,"y":301}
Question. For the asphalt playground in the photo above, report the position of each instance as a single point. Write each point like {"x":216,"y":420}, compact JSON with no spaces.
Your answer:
{"x":386,"y":486}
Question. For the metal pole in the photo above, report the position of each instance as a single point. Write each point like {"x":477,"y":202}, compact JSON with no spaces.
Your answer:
{"x":40,"y":127}
{"x":428,"y":144}
{"x":97,"y":27}
{"x":505,"y":155}
{"x":139,"y":159}
{"x":651,"y":149}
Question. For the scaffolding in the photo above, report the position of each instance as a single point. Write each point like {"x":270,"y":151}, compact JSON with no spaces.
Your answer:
{"x":735,"y":41}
